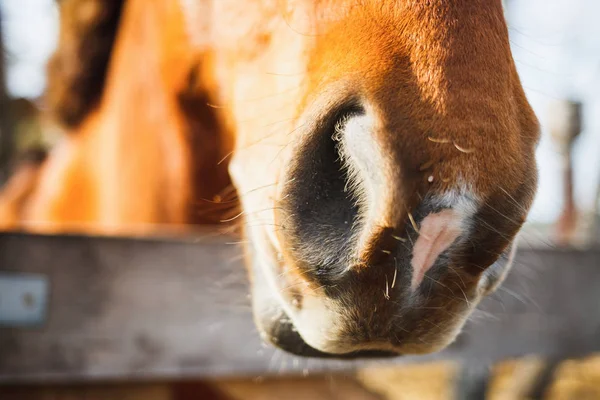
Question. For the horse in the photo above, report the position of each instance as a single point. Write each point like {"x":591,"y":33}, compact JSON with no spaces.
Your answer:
{"x":141,"y":148}
{"x":382,"y":153}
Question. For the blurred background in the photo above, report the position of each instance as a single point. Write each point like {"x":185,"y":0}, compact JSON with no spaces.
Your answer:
{"x":556,"y":46}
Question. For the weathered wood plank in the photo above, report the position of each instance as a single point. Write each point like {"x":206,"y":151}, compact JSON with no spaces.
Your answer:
{"x":89,"y":392}
{"x":148,"y":308}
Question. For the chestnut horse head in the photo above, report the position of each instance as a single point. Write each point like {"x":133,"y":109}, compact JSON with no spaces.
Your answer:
{"x":384,"y":162}
{"x":383,"y":158}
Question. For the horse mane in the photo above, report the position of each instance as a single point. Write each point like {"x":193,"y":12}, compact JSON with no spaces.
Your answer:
{"x":77,"y":69}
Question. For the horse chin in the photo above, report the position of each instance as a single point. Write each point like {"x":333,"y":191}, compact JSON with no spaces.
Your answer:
{"x":274,"y":324}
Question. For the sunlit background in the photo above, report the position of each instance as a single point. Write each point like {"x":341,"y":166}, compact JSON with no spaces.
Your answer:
{"x":556,"y":46}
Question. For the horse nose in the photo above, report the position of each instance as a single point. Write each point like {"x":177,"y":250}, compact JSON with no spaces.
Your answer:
{"x":373,"y":299}
{"x":318,"y":208}
{"x":325,"y":236}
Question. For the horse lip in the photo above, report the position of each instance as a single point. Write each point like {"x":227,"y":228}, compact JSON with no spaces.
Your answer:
{"x":267,"y":306}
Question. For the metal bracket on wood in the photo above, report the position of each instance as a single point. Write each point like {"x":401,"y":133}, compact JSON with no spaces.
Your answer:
{"x":23,"y":299}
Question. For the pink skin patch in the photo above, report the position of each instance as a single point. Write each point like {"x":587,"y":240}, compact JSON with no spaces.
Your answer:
{"x":437,"y":232}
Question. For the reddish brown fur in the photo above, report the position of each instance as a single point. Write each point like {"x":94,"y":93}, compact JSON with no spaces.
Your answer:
{"x":129,"y":165}
{"x":437,"y":71}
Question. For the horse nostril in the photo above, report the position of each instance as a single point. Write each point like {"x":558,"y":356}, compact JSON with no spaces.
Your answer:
{"x":318,"y":211}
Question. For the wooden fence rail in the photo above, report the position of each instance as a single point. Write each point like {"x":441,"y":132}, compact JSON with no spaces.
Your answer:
{"x":77,"y":308}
